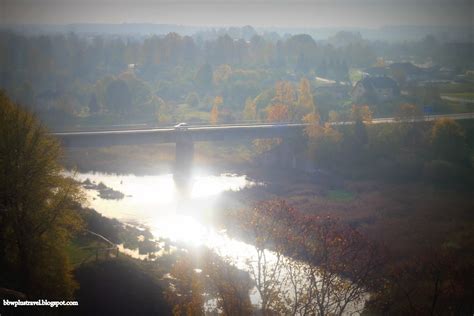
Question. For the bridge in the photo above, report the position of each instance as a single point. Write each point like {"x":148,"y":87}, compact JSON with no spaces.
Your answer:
{"x":176,"y":135}
{"x":185,"y":137}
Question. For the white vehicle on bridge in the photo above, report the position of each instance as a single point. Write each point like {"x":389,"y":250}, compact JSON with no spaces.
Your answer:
{"x":181,"y":127}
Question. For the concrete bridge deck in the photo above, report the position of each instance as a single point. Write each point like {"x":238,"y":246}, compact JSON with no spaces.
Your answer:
{"x":198,"y":133}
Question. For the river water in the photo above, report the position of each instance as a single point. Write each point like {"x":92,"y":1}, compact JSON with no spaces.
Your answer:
{"x":156,"y":202}
{"x":176,"y":212}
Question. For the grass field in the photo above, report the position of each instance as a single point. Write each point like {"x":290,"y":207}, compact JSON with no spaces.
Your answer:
{"x":461,"y":95}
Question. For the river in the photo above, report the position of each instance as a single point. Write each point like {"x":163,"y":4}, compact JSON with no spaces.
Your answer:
{"x":156,"y":202}
{"x":180,"y":213}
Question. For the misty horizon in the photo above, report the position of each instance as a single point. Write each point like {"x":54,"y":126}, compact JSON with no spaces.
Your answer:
{"x":299,"y":14}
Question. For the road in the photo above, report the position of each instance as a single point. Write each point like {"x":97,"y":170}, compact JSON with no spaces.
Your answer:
{"x":123,"y":130}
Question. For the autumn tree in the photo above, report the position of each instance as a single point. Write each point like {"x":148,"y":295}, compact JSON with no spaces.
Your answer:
{"x":323,"y":139}
{"x":278,"y":113}
{"x":164,"y":112}
{"x":215,"y":111}
{"x":221,"y":74}
{"x":306,"y":264}
{"x":409,"y":116}
{"x":408,"y":112}
{"x":261,"y":224}
{"x":361,"y":114}
{"x":449,"y":141}
{"x":36,"y":208}
{"x":305,"y":104}
{"x":228,"y":284}
{"x":283,"y":103}
{"x":341,"y":266}
{"x":186,"y":294}
{"x":203,"y":275}
{"x":434,"y":282}
{"x":250,"y":110}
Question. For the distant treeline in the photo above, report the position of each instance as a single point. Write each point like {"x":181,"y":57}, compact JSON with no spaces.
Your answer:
{"x":70,"y":72}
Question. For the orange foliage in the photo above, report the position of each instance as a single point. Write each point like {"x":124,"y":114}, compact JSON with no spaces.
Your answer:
{"x":278,"y":113}
{"x":361,"y":113}
{"x":214,"y":119}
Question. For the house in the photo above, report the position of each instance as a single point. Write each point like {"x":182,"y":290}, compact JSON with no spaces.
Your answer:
{"x":375,"y":88}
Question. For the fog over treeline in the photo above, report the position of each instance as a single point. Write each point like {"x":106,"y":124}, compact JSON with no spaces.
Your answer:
{"x":71,"y":72}
{"x":390,"y":33}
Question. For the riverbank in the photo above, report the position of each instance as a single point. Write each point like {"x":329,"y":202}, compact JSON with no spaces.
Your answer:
{"x":408,"y":218}
{"x":405,"y":216}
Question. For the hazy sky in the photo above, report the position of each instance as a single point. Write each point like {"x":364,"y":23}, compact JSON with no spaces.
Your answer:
{"x":301,"y":13}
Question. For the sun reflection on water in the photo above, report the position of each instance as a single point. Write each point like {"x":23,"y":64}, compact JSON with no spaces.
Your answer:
{"x":157,"y":202}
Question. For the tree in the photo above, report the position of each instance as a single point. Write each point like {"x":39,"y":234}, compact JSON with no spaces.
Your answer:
{"x":118,"y":97}
{"x":203,"y":77}
{"x":250,"y":110}
{"x":409,"y":116}
{"x":408,"y":112}
{"x":342,"y":265}
{"x":361,"y":114}
{"x":434,"y":282}
{"x":186,"y":294}
{"x":449,"y":141}
{"x":203,"y":275}
{"x":305,"y":103}
{"x":215,"y":111}
{"x":230,"y":285}
{"x":164,"y":113}
{"x":36,"y":207}
{"x":313,"y":130}
{"x":93,"y":105}
{"x":302,"y":65}
{"x":278,"y":113}
{"x":222,"y":74}
{"x":285,"y":98}
{"x":192,"y":99}
{"x":331,"y":268}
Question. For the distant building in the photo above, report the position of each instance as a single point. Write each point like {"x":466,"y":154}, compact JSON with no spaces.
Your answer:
{"x":375,"y":88}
